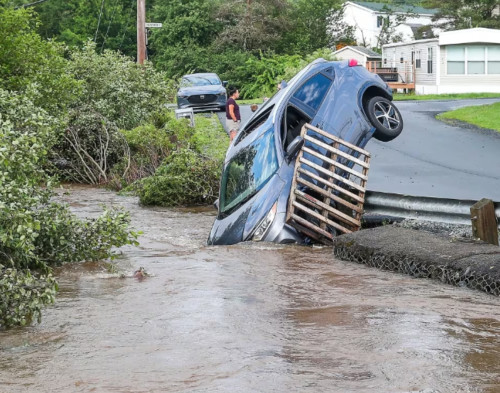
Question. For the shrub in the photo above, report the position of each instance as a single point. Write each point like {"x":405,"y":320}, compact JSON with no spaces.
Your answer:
{"x":23,"y":295}
{"x":185,"y":178}
{"x":31,"y":65}
{"x":90,"y":147}
{"x":117,"y":93}
{"x":117,"y":88}
{"x":36,"y":233}
{"x":266,"y":73}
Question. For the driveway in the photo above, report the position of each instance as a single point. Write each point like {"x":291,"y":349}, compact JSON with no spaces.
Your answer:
{"x":431,"y":158}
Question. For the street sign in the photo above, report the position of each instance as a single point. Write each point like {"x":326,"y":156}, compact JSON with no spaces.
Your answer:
{"x":154,"y":24}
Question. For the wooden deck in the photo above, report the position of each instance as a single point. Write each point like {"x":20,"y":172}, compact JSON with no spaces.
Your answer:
{"x":329,"y":200}
{"x":402,"y":77}
{"x":401,"y":85}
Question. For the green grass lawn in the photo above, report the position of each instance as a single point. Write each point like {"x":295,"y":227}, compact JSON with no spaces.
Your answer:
{"x":257,"y":101}
{"x":485,"y":116}
{"x":210,"y":136}
{"x":462,"y":96}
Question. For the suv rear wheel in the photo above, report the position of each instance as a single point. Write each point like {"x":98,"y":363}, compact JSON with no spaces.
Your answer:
{"x":385,"y":117}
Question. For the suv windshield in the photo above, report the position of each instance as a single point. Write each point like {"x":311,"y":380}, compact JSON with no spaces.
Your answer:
{"x":248,"y":171}
{"x":205,"y":80}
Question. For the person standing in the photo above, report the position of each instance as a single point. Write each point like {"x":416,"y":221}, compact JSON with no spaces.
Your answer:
{"x":233,"y":117}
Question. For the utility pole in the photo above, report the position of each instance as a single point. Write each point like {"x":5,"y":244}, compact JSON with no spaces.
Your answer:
{"x":141,"y":31}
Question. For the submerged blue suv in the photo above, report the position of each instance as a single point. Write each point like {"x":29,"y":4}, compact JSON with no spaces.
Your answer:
{"x":342,"y":98}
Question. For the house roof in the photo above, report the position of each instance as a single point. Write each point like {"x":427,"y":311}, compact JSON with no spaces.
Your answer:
{"x":361,"y":50}
{"x":469,"y":36}
{"x":382,"y":7}
{"x":477,"y":35}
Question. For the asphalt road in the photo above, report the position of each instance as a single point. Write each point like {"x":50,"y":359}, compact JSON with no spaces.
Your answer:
{"x":431,"y":158}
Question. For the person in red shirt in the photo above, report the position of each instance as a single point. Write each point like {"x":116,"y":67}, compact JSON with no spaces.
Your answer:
{"x":233,"y":117}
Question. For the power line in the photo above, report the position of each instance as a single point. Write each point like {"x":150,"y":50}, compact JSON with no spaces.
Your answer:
{"x":109,"y":25}
{"x":30,"y":4}
{"x":99,"y":21}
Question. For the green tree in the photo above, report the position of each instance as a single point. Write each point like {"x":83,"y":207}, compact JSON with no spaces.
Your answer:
{"x":315,"y":24}
{"x":463,"y":14}
{"x":110,"y":23}
{"x":31,"y":65}
{"x":253,"y":25}
{"x":184,"y":43}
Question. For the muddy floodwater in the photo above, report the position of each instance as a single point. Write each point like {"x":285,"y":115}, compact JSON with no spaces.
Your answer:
{"x":247,"y":318}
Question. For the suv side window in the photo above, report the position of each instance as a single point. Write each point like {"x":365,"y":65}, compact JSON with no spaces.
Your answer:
{"x":313,"y":91}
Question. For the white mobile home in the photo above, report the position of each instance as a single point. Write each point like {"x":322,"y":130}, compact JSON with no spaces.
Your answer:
{"x":460,"y":61}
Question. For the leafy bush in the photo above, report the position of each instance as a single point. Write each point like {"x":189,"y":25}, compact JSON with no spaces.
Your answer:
{"x":31,"y":65}
{"x":185,"y":178}
{"x":189,"y":174}
{"x":90,"y":147}
{"x":23,"y":295}
{"x":266,"y":73}
{"x":117,"y":88}
{"x":36,"y":233}
{"x":258,"y":77}
{"x":117,"y":93}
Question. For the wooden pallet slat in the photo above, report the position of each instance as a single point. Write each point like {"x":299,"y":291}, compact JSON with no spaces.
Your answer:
{"x":331,"y":174}
{"x":339,"y":152}
{"x":334,"y":202}
{"x":337,"y":164}
{"x":321,"y":190}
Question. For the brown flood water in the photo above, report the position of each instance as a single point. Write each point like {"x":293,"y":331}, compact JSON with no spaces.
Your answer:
{"x":247,"y":318}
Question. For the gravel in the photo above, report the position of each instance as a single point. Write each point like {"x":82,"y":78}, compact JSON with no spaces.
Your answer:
{"x":437,"y":228}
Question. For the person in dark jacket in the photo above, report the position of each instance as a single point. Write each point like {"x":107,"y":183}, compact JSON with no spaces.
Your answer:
{"x":233,"y":117}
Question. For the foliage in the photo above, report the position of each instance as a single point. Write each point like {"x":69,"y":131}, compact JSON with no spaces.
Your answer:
{"x":116,"y":93}
{"x":266,"y":73}
{"x":150,"y":144}
{"x":209,"y":138}
{"x":23,"y":295}
{"x":252,"y":25}
{"x":111,"y":24}
{"x":36,"y":233}
{"x":31,"y":65}
{"x":91,"y":146}
{"x":454,"y":15}
{"x":316,"y":24}
{"x":185,"y":178}
{"x":116,"y":87}
{"x":189,"y":174}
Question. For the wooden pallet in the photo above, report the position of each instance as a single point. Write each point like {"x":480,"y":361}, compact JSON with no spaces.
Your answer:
{"x":328,"y":194}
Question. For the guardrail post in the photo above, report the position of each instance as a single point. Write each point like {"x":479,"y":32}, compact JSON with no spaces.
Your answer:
{"x":484,"y":221}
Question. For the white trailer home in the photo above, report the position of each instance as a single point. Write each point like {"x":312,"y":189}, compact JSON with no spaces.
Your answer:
{"x":460,"y":61}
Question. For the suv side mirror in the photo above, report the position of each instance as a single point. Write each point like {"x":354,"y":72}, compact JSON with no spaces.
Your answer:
{"x":216,"y":205}
{"x":294,"y":147}
{"x":224,"y":83}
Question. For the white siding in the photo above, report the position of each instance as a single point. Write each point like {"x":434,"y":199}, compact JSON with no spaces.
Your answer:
{"x":466,"y":83}
{"x":392,"y":55}
{"x":364,"y":22}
